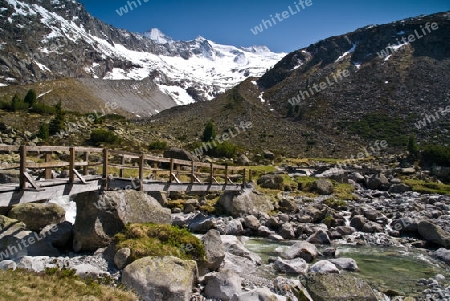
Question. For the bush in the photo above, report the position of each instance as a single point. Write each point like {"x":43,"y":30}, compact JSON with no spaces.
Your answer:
{"x":225,"y":149}
{"x":42,"y":108}
{"x":209,"y":133}
{"x":158,"y":145}
{"x":17,"y":104}
{"x":103,"y":136}
{"x":43,"y":132}
{"x":436,"y":154}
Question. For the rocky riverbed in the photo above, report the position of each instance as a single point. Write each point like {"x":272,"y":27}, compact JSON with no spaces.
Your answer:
{"x":386,"y":243}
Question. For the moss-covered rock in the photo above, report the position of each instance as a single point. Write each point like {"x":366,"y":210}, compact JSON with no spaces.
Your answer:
{"x":338,"y":287}
{"x":159,"y":240}
{"x":37,"y":216}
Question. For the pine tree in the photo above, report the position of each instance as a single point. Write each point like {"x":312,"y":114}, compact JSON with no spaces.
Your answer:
{"x":17,"y":104}
{"x":209,"y":133}
{"x":30,"y":98}
{"x":57,"y":124}
{"x":43,"y":132}
{"x":413,"y":149}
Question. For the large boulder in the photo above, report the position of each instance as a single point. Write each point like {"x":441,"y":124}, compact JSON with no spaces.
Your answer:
{"x":161,"y":278}
{"x":287,"y":231}
{"x":338,"y":287}
{"x":323,"y":187}
{"x":433,"y":233}
{"x":178,"y":153}
{"x":215,"y":253}
{"x":234,"y":246}
{"x":16,"y":242}
{"x":271,"y":181}
{"x":101,"y":216}
{"x":260,"y":294}
{"x":399,"y":188}
{"x":37,"y":216}
{"x":344,"y":263}
{"x":301,"y":249}
{"x":295,"y":266}
{"x":251,"y":222}
{"x":320,"y":237}
{"x":245,"y":203}
{"x":378,"y":182}
{"x":222,"y":285}
{"x":358,"y":222}
{"x":62,"y":238}
{"x":323,"y":267}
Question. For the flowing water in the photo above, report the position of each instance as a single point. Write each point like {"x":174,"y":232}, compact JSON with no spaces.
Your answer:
{"x":383,"y":268}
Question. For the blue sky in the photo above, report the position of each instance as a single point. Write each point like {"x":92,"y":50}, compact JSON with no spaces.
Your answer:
{"x":230,"y":21}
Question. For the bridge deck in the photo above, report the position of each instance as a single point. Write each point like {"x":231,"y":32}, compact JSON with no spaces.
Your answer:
{"x":170,"y":172}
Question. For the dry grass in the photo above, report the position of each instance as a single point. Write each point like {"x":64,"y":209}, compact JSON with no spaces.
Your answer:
{"x":23,"y":285}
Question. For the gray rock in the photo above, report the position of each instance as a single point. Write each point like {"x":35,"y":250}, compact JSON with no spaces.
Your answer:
{"x":8,"y":265}
{"x":214,"y":249}
{"x":320,"y":237}
{"x":202,"y":224}
{"x":61,"y":238}
{"x":338,"y":287}
{"x":178,"y":153}
{"x":86,"y":270}
{"x":161,"y":278}
{"x":245,"y":203}
{"x":37,"y":216}
{"x":100,"y":217}
{"x":399,"y":188}
{"x":323,"y":187}
{"x":324,"y":267}
{"x":243,"y":160}
{"x":443,"y":254}
{"x":251,"y":222}
{"x":121,"y":258}
{"x":343,"y":263}
{"x":345,"y":230}
{"x":294,"y":266}
{"x":302,"y":249}
{"x":433,"y":233}
{"x":357,"y":222}
{"x":271,"y":181}
{"x":372,"y":227}
{"x":379,"y":182}
{"x":234,"y":246}
{"x":260,"y":294}
{"x":288,"y":206}
{"x":287,"y":231}
{"x":223,"y":285}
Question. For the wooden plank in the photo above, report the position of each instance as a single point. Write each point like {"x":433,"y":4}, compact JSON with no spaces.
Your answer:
{"x":48,"y":148}
{"x":174,"y":176}
{"x":54,"y":164}
{"x":9,"y":148}
{"x":79,"y":176}
{"x":88,"y":149}
{"x":31,"y":181}
{"x":141,"y":171}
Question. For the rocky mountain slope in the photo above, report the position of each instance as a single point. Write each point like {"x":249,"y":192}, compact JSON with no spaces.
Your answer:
{"x":48,"y":40}
{"x":326,"y":98}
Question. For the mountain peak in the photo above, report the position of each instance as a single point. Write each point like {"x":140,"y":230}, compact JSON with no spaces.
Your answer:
{"x":157,"y":36}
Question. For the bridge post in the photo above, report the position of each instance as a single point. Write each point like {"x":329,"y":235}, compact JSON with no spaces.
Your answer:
{"x":192,"y":172}
{"x":250,"y":175}
{"x":48,"y":170}
{"x":141,"y":171}
{"x":226,"y":174}
{"x":171,"y":170}
{"x":211,"y":173}
{"x":86,"y":168}
{"x":243,"y":178}
{"x":71,"y":164}
{"x":105,"y":169}
{"x":23,"y":166}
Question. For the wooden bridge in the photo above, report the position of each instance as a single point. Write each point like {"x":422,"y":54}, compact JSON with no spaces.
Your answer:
{"x":91,"y":169}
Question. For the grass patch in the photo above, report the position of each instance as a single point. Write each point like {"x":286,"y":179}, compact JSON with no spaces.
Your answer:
{"x":428,"y":187}
{"x":22,"y":285}
{"x":344,"y":191}
{"x":160,"y":240}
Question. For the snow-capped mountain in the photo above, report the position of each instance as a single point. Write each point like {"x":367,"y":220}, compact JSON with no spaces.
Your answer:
{"x":50,"y":39}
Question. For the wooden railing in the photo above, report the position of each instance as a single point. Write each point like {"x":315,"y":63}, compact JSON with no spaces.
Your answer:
{"x":78,"y":164}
